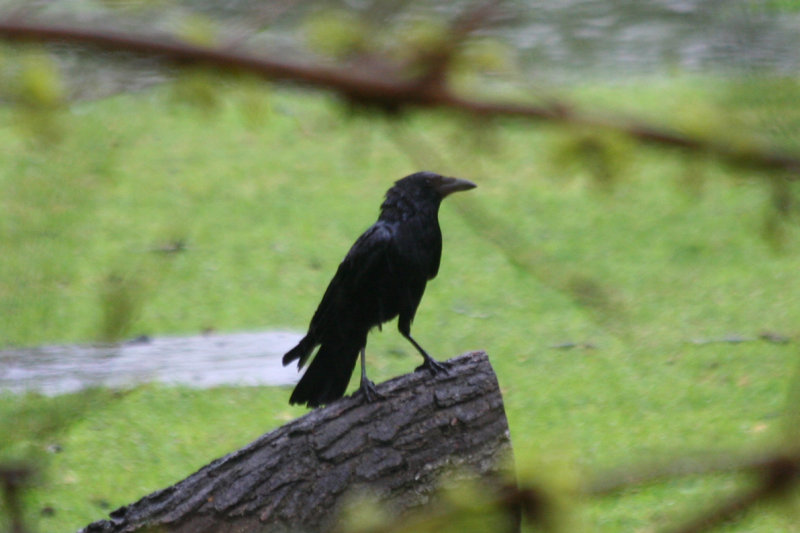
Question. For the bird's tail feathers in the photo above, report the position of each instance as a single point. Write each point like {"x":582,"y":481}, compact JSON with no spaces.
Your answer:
{"x":328,"y":375}
{"x":301,"y":352}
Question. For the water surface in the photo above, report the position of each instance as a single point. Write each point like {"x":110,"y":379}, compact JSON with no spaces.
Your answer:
{"x":197,"y":361}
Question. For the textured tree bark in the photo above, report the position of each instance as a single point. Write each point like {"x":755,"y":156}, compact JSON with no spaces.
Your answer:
{"x":293,"y":478}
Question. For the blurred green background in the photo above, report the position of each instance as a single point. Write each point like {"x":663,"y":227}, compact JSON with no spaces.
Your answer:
{"x":637,"y":303}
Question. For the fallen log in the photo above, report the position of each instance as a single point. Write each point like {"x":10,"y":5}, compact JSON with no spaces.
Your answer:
{"x":294,"y":478}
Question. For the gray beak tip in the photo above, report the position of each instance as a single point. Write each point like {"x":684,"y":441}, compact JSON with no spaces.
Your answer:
{"x":451,"y":185}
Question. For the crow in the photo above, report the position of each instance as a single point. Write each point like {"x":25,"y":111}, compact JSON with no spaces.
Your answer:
{"x":382,"y":277}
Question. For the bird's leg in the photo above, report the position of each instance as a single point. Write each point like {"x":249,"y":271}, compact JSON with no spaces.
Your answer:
{"x":367,"y":387}
{"x":431,"y":364}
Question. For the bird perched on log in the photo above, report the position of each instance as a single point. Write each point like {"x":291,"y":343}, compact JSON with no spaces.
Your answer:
{"x":382,"y":277}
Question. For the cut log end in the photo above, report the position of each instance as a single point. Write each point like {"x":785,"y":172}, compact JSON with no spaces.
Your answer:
{"x":296,"y":477}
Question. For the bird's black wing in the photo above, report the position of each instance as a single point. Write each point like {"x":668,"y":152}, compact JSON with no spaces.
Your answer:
{"x":370,"y":256}
{"x":352,"y":302}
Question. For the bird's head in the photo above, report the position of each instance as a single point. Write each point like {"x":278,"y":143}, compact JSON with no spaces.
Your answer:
{"x":430,"y":184}
{"x":421,"y":192}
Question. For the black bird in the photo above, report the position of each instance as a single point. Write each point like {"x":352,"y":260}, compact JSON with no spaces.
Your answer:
{"x":381,"y":277}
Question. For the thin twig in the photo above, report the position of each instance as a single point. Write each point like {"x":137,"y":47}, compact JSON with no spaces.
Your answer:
{"x":614,"y":481}
{"x":439,"y":60}
{"x":777,"y":477}
{"x":394,"y":93}
{"x":13,"y":479}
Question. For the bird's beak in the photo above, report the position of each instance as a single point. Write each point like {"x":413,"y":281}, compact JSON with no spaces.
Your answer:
{"x":450,"y":185}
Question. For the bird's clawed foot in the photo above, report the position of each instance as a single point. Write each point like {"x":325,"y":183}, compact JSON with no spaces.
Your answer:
{"x":433,"y":366}
{"x":369,"y":391}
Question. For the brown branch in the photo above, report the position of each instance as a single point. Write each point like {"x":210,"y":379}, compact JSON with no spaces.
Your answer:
{"x":612,"y":482}
{"x":437,"y":62}
{"x":777,"y":477}
{"x":776,"y":473}
{"x":393,"y":93}
{"x":352,"y":84}
{"x":13,"y":479}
